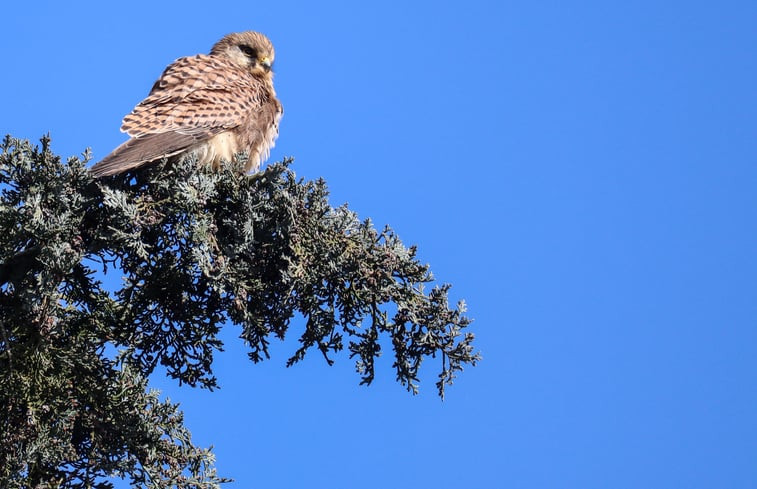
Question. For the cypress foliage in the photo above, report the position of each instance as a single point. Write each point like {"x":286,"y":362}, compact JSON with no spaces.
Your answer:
{"x":198,"y":250}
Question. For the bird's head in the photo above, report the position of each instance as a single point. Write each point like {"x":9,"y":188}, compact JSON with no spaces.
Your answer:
{"x":250,"y":50}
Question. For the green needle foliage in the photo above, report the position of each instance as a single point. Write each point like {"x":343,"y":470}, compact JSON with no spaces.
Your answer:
{"x":198,"y":250}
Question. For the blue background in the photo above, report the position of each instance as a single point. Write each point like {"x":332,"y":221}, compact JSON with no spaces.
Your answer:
{"x":583,"y":173}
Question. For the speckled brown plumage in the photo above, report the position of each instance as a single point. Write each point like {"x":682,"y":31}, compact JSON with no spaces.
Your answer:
{"x":212,"y":106}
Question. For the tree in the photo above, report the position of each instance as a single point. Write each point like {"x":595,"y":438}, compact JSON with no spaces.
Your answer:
{"x":198,"y":249}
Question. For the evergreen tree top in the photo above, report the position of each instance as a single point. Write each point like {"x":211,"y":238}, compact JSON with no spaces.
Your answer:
{"x":198,"y":250}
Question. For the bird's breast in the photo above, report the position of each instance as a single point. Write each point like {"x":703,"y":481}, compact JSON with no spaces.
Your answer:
{"x":221,"y":147}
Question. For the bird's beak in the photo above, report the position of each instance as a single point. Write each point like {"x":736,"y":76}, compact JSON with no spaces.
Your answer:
{"x":266,"y":62}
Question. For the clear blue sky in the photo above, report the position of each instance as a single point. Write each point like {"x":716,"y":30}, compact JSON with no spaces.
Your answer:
{"x":584,"y":173}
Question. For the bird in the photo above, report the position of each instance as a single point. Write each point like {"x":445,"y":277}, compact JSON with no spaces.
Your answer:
{"x":212,"y":106}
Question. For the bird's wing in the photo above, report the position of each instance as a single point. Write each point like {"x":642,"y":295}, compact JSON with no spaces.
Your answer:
{"x":193,"y":100}
{"x":196,"y":93}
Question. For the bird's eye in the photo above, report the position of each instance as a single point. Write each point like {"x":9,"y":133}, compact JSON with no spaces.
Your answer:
{"x":248,"y":51}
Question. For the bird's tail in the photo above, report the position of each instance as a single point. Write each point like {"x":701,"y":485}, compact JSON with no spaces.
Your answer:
{"x":141,"y":150}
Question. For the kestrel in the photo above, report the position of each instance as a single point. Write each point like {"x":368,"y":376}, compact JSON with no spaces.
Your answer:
{"x":212,"y":106}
